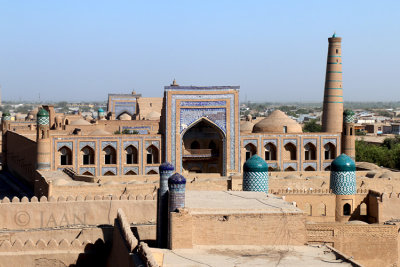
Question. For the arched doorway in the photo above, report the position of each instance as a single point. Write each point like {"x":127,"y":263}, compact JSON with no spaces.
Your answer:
{"x":202,"y":146}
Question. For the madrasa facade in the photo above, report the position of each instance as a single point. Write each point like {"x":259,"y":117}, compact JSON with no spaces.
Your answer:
{"x":196,"y":128}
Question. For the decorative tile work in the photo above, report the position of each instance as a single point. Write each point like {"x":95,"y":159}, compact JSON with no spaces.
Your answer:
{"x":111,"y":169}
{"x":147,"y":169}
{"x":190,"y":115}
{"x":349,"y":118}
{"x":40,"y":120}
{"x":312,"y":164}
{"x":273,"y":165}
{"x":233,"y":110}
{"x":202,"y":103}
{"x":255,"y":181}
{"x":66,"y":144}
{"x":308,"y":140}
{"x":293,"y":141}
{"x":131,"y":143}
{"x":154,"y":143}
{"x":326,"y":164}
{"x":109,"y":143}
{"x":250,"y":141}
{"x":91,"y":144}
{"x":343,"y":183}
{"x":124,"y":107}
{"x":92,"y":170}
{"x":135,"y":169}
{"x":272,"y":141}
{"x":329,"y":140}
{"x":291,"y":164}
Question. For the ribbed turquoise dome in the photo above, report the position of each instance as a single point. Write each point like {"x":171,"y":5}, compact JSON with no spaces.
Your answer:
{"x":348,"y":112}
{"x":255,"y":164}
{"x":100,"y":110}
{"x":42,"y":113}
{"x":343,"y":163}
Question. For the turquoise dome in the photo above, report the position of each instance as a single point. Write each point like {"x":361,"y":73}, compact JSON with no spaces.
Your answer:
{"x":343,"y":163}
{"x":255,"y":164}
{"x":348,"y":112}
{"x":6,"y":113}
{"x":100,"y":110}
{"x":42,"y":113}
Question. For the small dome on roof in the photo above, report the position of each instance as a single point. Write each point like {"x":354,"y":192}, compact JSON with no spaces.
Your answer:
{"x":125,"y":117}
{"x":153,"y":115}
{"x":88,"y":118}
{"x":80,"y":122}
{"x":6,"y":113}
{"x":255,"y":164}
{"x":246,"y":126}
{"x":42,"y":113}
{"x":343,"y":163}
{"x":100,"y":132}
{"x":30,"y":117}
{"x":100,"y":110}
{"x":166,"y":166}
{"x":176,"y":179}
{"x":277,"y":122}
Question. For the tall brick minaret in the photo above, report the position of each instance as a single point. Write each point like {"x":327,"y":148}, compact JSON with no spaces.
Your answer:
{"x":332,"y":114}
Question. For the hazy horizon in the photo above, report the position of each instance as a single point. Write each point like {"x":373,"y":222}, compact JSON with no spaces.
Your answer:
{"x":83,"y":50}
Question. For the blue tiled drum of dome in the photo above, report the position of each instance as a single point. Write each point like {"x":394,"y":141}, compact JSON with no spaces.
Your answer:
{"x":177,"y":186}
{"x":255,"y":175}
{"x":343,"y":176}
{"x":42,"y":117}
{"x":349,"y":116}
{"x":166,"y":169}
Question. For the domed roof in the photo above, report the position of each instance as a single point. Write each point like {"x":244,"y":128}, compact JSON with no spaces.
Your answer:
{"x":30,"y":116}
{"x":276,"y":122}
{"x":100,"y":132}
{"x":100,"y":110}
{"x":255,"y":164}
{"x":88,"y":118}
{"x":343,"y":163}
{"x":246,"y":126}
{"x":154,"y":115}
{"x":6,"y":113}
{"x":166,"y":166}
{"x":42,"y":113}
{"x":80,"y":122}
{"x":125,"y":117}
{"x":176,"y":179}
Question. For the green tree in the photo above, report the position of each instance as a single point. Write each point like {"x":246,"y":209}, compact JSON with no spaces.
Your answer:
{"x":312,"y":126}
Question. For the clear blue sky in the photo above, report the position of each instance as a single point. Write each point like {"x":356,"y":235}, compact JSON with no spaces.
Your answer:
{"x":275,"y":50}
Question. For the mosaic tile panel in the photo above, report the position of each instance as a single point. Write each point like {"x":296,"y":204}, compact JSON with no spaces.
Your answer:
{"x":273,"y":165}
{"x":154,"y":143}
{"x":109,"y":143}
{"x":272,"y":141}
{"x":291,"y":164}
{"x":135,"y":169}
{"x":92,"y":170}
{"x":66,"y":144}
{"x":250,"y":141}
{"x":131,"y":143}
{"x":343,"y":183}
{"x":40,"y":120}
{"x":202,"y":103}
{"x":255,"y":181}
{"x":309,"y":140}
{"x":326,"y":164}
{"x":111,"y":169}
{"x":293,"y":141}
{"x":147,"y":169}
{"x":190,"y":115}
{"x":312,"y":164}
{"x":329,"y":140}
{"x":91,"y":144}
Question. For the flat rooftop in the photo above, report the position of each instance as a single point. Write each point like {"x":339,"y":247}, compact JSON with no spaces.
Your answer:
{"x":234,"y":202}
{"x":234,"y":256}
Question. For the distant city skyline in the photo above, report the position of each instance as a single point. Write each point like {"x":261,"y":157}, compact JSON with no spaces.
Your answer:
{"x":83,"y":50}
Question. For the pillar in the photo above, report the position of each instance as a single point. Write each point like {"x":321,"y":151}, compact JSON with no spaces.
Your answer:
{"x":43,"y":140}
{"x":343,"y":185}
{"x":333,"y":94}
{"x":176,"y":186}
{"x":255,"y":175}
{"x":348,"y":134}
{"x":166,"y":169}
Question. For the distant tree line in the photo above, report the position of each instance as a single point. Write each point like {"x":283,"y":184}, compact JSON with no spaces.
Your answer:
{"x":386,"y":155}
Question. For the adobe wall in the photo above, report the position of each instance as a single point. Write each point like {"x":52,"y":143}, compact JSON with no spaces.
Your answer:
{"x":371,"y":245}
{"x":21,"y":156}
{"x":188,"y":230}
{"x":384,"y":206}
{"x":73,"y":211}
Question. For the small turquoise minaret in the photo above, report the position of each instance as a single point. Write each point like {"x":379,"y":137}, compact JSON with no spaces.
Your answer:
{"x":177,"y":187}
{"x":166,"y":170}
{"x":343,"y":185}
{"x":343,"y":176}
{"x":100,"y":113}
{"x":255,"y":175}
